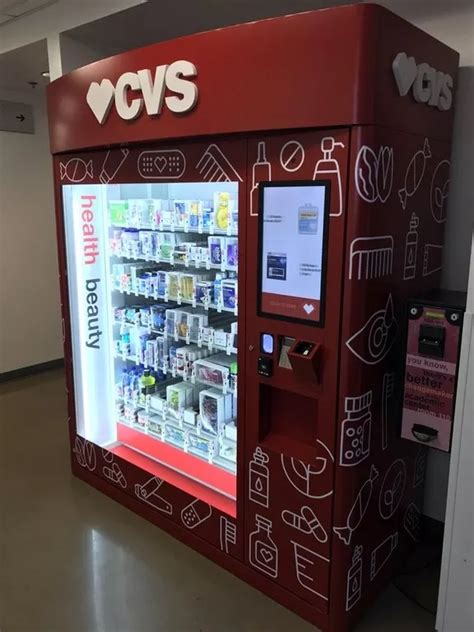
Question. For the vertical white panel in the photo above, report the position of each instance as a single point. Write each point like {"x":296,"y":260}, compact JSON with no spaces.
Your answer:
{"x":86,"y":243}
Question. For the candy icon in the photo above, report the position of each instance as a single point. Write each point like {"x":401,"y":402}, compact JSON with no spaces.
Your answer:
{"x":76,"y":170}
{"x":414,"y":173}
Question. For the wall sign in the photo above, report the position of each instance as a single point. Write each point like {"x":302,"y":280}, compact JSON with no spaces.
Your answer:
{"x":134,"y":90}
{"x":427,"y":84}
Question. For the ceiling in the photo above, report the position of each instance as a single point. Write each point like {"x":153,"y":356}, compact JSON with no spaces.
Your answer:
{"x":13,"y":9}
{"x":158,"y":20}
{"x":19,"y":66}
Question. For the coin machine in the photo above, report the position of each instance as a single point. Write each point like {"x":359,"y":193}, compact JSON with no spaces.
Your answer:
{"x":238,"y":236}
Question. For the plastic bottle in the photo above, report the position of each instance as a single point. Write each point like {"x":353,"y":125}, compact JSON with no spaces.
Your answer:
{"x":355,"y":445}
{"x":259,"y":478}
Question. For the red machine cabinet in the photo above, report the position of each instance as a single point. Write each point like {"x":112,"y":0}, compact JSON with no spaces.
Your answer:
{"x":326,"y":497}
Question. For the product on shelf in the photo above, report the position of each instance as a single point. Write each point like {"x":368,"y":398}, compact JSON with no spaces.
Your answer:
{"x":179,"y":396}
{"x":215,"y":408}
{"x":156,"y":426}
{"x":118,"y":212}
{"x":231,"y":252}
{"x":216,"y":250}
{"x":207,"y":446}
{"x":229,"y":293}
{"x":204,"y":292}
{"x":175,"y":434}
{"x":223,"y":210}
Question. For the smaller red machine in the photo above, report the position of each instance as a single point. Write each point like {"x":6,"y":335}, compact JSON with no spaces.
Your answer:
{"x":242,"y":217}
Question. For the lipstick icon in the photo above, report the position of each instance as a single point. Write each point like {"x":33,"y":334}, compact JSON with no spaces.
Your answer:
{"x":354,"y":579}
{"x":112,"y":163}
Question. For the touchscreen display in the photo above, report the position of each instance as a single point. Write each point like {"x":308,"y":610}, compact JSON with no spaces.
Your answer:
{"x":293,"y":222}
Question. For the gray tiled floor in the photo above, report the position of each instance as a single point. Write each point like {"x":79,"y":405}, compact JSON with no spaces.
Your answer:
{"x":73,"y":560}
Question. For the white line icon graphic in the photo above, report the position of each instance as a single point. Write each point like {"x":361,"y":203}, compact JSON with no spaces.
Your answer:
{"x":439,"y":191}
{"x":328,"y":166}
{"x":374,"y":173}
{"x":392,"y":489}
{"x":375,"y":339}
{"x":161,"y":164}
{"x":76,"y":170}
{"x":371,"y":257}
{"x":414,"y":173}
{"x":115,"y":474}
{"x":411,"y":248}
{"x":259,"y":478}
{"x":313,"y":480}
{"x":420,"y":467}
{"x":214,"y":166}
{"x":354,"y":579}
{"x":85,"y":453}
{"x":112,"y":163}
{"x":292,"y":156}
{"x":306,"y":521}
{"x":148,"y":493}
{"x":432,"y":259}
{"x":358,"y":509}
{"x":263,"y":552}
{"x":308,"y":566}
{"x":227,"y":533}
{"x":355,"y":430}
{"x":261,"y":172}
{"x":412,"y":522}
{"x":108,"y":456}
{"x":195,"y":513}
{"x":388,"y":403}
{"x":382,"y":553}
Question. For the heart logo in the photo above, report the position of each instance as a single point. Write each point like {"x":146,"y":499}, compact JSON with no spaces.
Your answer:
{"x":405,"y":71}
{"x":266,"y":555}
{"x":99,"y":98}
{"x":308,"y":308}
{"x":160,"y":163}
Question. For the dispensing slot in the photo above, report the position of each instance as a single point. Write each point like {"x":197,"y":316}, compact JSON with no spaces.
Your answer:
{"x":431,"y":341}
{"x":286,"y":344}
{"x":305,"y":360}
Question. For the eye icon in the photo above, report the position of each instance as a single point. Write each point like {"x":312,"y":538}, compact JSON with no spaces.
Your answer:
{"x":375,"y":339}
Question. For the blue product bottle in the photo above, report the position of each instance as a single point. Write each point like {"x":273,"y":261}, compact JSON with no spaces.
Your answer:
{"x":125,"y":384}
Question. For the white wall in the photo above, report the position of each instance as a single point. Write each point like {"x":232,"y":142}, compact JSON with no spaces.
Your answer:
{"x":30,"y":323}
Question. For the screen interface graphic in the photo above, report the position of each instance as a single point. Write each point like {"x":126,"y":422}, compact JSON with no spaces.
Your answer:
{"x":292,"y":250}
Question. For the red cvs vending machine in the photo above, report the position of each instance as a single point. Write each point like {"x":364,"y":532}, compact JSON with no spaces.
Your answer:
{"x":242,"y":216}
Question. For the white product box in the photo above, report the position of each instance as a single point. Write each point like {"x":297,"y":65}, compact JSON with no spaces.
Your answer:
{"x":214,"y":409}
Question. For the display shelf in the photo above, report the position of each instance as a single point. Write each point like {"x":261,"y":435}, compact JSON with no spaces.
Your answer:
{"x":192,"y":263}
{"x":179,"y":301}
{"x":193,"y":466}
{"x":173,"y":228}
{"x":212,"y":346}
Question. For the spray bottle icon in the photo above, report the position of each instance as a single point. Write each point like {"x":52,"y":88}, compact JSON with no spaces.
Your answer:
{"x":261,"y":171}
{"x":328,"y":166}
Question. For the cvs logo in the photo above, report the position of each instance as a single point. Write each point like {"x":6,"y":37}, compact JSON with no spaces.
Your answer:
{"x":428,"y":85}
{"x":148,"y":91}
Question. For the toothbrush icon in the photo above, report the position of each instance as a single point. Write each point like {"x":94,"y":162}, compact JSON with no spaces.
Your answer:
{"x":261,"y":171}
{"x":328,"y":166}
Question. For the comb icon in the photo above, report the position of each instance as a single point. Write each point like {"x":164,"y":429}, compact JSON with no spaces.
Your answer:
{"x":214,"y":166}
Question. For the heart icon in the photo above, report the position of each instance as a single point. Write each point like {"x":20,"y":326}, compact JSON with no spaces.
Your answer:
{"x":266,"y":555}
{"x":405,"y":71}
{"x":99,"y":98}
{"x":160,"y":163}
{"x":308,"y":308}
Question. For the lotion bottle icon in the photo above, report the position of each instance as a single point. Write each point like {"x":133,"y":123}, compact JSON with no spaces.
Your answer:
{"x":261,"y":172}
{"x":259,"y":478}
{"x":411,"y":247}
{"x":263,"y":553}
{"x":328,"y":166}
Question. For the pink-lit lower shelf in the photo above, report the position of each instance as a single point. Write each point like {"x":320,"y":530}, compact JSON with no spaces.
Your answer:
{"x":185,"y":471}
